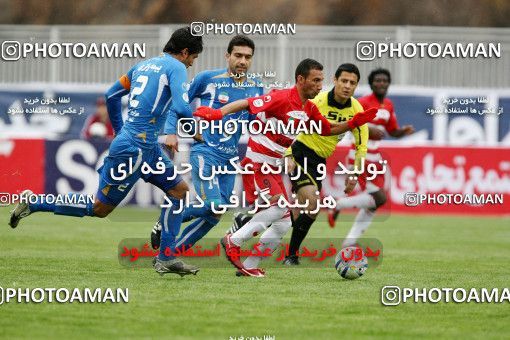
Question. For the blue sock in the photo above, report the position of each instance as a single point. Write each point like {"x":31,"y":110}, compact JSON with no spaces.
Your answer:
{"x":191,"y":212}
{"x":195,"y":231}
{"x":171,"y":224}
{"x":41,"y":205}
{"x":187,"y":215}
{"x":75,"y":207}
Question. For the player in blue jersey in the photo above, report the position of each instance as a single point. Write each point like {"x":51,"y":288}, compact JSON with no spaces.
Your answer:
{"x":155,"y":86}
{"x":215,"y":88}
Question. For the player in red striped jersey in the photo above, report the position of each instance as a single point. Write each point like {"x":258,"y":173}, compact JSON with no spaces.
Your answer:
{"x":288,"y":105}
{"x":373,"y":195}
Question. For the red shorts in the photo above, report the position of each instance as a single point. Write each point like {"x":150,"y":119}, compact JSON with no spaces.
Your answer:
{"x":374,"y":184}
{"x":259,"y":182}
{"x":377,"y":182}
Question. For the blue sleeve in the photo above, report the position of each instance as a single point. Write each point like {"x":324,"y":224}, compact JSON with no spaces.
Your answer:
{"x":171,"y":123}
{"x":114,"y":104}
{"x":196,"y":86}
{"x":180,"y":107}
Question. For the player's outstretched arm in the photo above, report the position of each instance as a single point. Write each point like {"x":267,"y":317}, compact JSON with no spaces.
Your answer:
{"x":359,"y":119}
{"x":209,"y":113}
{"x":113,"y":99}
{"x":180,"y":99}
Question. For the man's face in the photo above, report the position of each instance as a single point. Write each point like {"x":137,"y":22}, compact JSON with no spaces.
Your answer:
{"x":239,"y":60}
{"x":189,"y":59}
{"x":380,"y":85}
{"x":345,"y":85}
{"x":312,"y":84}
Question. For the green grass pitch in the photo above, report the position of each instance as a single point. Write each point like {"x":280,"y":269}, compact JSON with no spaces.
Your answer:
{"x":290,"y":303}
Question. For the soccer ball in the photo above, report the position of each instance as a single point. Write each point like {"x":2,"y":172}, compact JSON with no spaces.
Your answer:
{"x":351,"y":263}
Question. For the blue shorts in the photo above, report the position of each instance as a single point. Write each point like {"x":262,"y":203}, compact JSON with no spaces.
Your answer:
{"x":112,"y":189}
{"x":217,"y":190}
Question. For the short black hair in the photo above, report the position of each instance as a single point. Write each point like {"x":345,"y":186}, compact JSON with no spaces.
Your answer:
{"x":304,"y":67}
{"x":181,"y":39}
{"x":240,"y":40}
{"x":350,"y":68}
{"x":377,"y":71}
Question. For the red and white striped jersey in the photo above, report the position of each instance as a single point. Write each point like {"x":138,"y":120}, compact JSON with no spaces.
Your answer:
{"x":284,"y":105}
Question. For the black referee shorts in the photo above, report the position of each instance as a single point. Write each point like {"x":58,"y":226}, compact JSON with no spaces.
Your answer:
{"x":302,"y":155}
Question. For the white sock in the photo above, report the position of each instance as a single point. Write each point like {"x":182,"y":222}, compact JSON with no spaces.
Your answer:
{"x":271,"y":238}
{"x":258,"y":223}
{"x":361,"y":224}
{"x":363,"y":200}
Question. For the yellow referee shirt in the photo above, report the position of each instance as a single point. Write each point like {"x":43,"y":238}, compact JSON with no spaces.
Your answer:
{"x":324,"y":146}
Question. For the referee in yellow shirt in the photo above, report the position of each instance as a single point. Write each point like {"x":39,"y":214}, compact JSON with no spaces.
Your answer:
{"x":337,"y":105}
